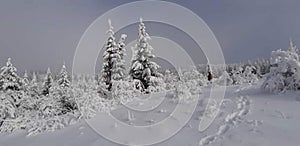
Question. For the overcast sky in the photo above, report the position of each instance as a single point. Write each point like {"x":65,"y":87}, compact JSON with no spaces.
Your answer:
{"x":42,"y":33}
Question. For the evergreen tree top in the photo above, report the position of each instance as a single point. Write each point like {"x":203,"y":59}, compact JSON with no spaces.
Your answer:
{"x":9,"y":78}
{"x":8,"y":63}
{"x":9,"y":67}
{"x":48,"y":70}
{"x":25,"y":74}
{"x":63,"y":80}
{"x":48,"y":77}
{"x":63,"y":68}
{"x":110,"y":30}
{"x":34,"y":78}
{"x":142,"y":31}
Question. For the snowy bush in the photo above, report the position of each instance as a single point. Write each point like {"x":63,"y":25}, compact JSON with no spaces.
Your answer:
{"x":216,"y":70}
{"x":124,"y":91}
{"x":242,"y":74}
{"x":183,"y":93}
{"x":50,"y":124}
{"x":7,"y":109}
{"x":170,"y":78}
{"x":249,"y":75}
{"x":195,"y":76}
{"x":15,"y":116}
{"x":224,"y":79}
{"x":237,"y":77}
{"x":64,"y":98}
{"x":193,"y":86}
{"x":155,"y":85}
{"x":285,"y":71}
{"x":89,"y":103}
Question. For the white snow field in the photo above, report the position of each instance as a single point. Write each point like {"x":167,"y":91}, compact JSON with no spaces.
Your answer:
{"x":248,"y":117}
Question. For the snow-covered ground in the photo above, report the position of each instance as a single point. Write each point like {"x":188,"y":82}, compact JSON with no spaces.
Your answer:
{"x":248,"y":116}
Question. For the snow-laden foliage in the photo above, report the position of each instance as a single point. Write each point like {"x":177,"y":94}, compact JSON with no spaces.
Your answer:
{"x":125,"y":91}
{"x":262,"y":66}
{"x":142,"y":68}
{"x":249,"y":76}
{"x":119,"y":70}
{"x":285,"y":70}
{"x":224,"y":79}
{"x":7,"y":109}
{"x":241,"y":75}
{"x":192,"y":79}
{"x":64,"y":98}
{"x":194,"y":75}
{"x":237,"y":77}
{"x":15,"y":113}
{"x":47,"y":84}
{"x":170,"y":78}
{"x":33,"y":87}
{"x":113,"y":61}
{"x":216,"y":70}
{"x":51,"y":123}
{"x":63,"y":80}
{"x":63,"y":93}
{"x":109,"y":58}
{"x":9,"y":80}
{"x":89,"y":103}
{"x":25,"y":81}
{"x":182,"y":92}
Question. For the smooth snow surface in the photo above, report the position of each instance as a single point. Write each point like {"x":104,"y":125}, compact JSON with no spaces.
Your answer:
{"x":248,"y":116}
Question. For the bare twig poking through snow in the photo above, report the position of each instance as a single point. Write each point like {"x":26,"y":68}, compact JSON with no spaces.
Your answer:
{"x":281,"y":114}
{"x":130,"y":116}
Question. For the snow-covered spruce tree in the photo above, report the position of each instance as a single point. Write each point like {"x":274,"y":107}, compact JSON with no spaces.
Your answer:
{"x":25,"y":78}
{"x":9,"y":80}
{"x":7,"y":109}
{"x":63,"y":80}
{"x":284,"y":72}
{"x":25,"y":81}
{"x":113,"y":63}
{"x":47,"y":83}
{"x":118,"y":69}
{"x":28,"y":102}
{"x":34,"y":78}
{"x":109,"y":61}
{"x":170,"y":79}
{"x":64,"y":93}
{"x":11,"y":83}
{"x":143,"y":71}
{"x":33,"y":87}
{"x":12,"y":99}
